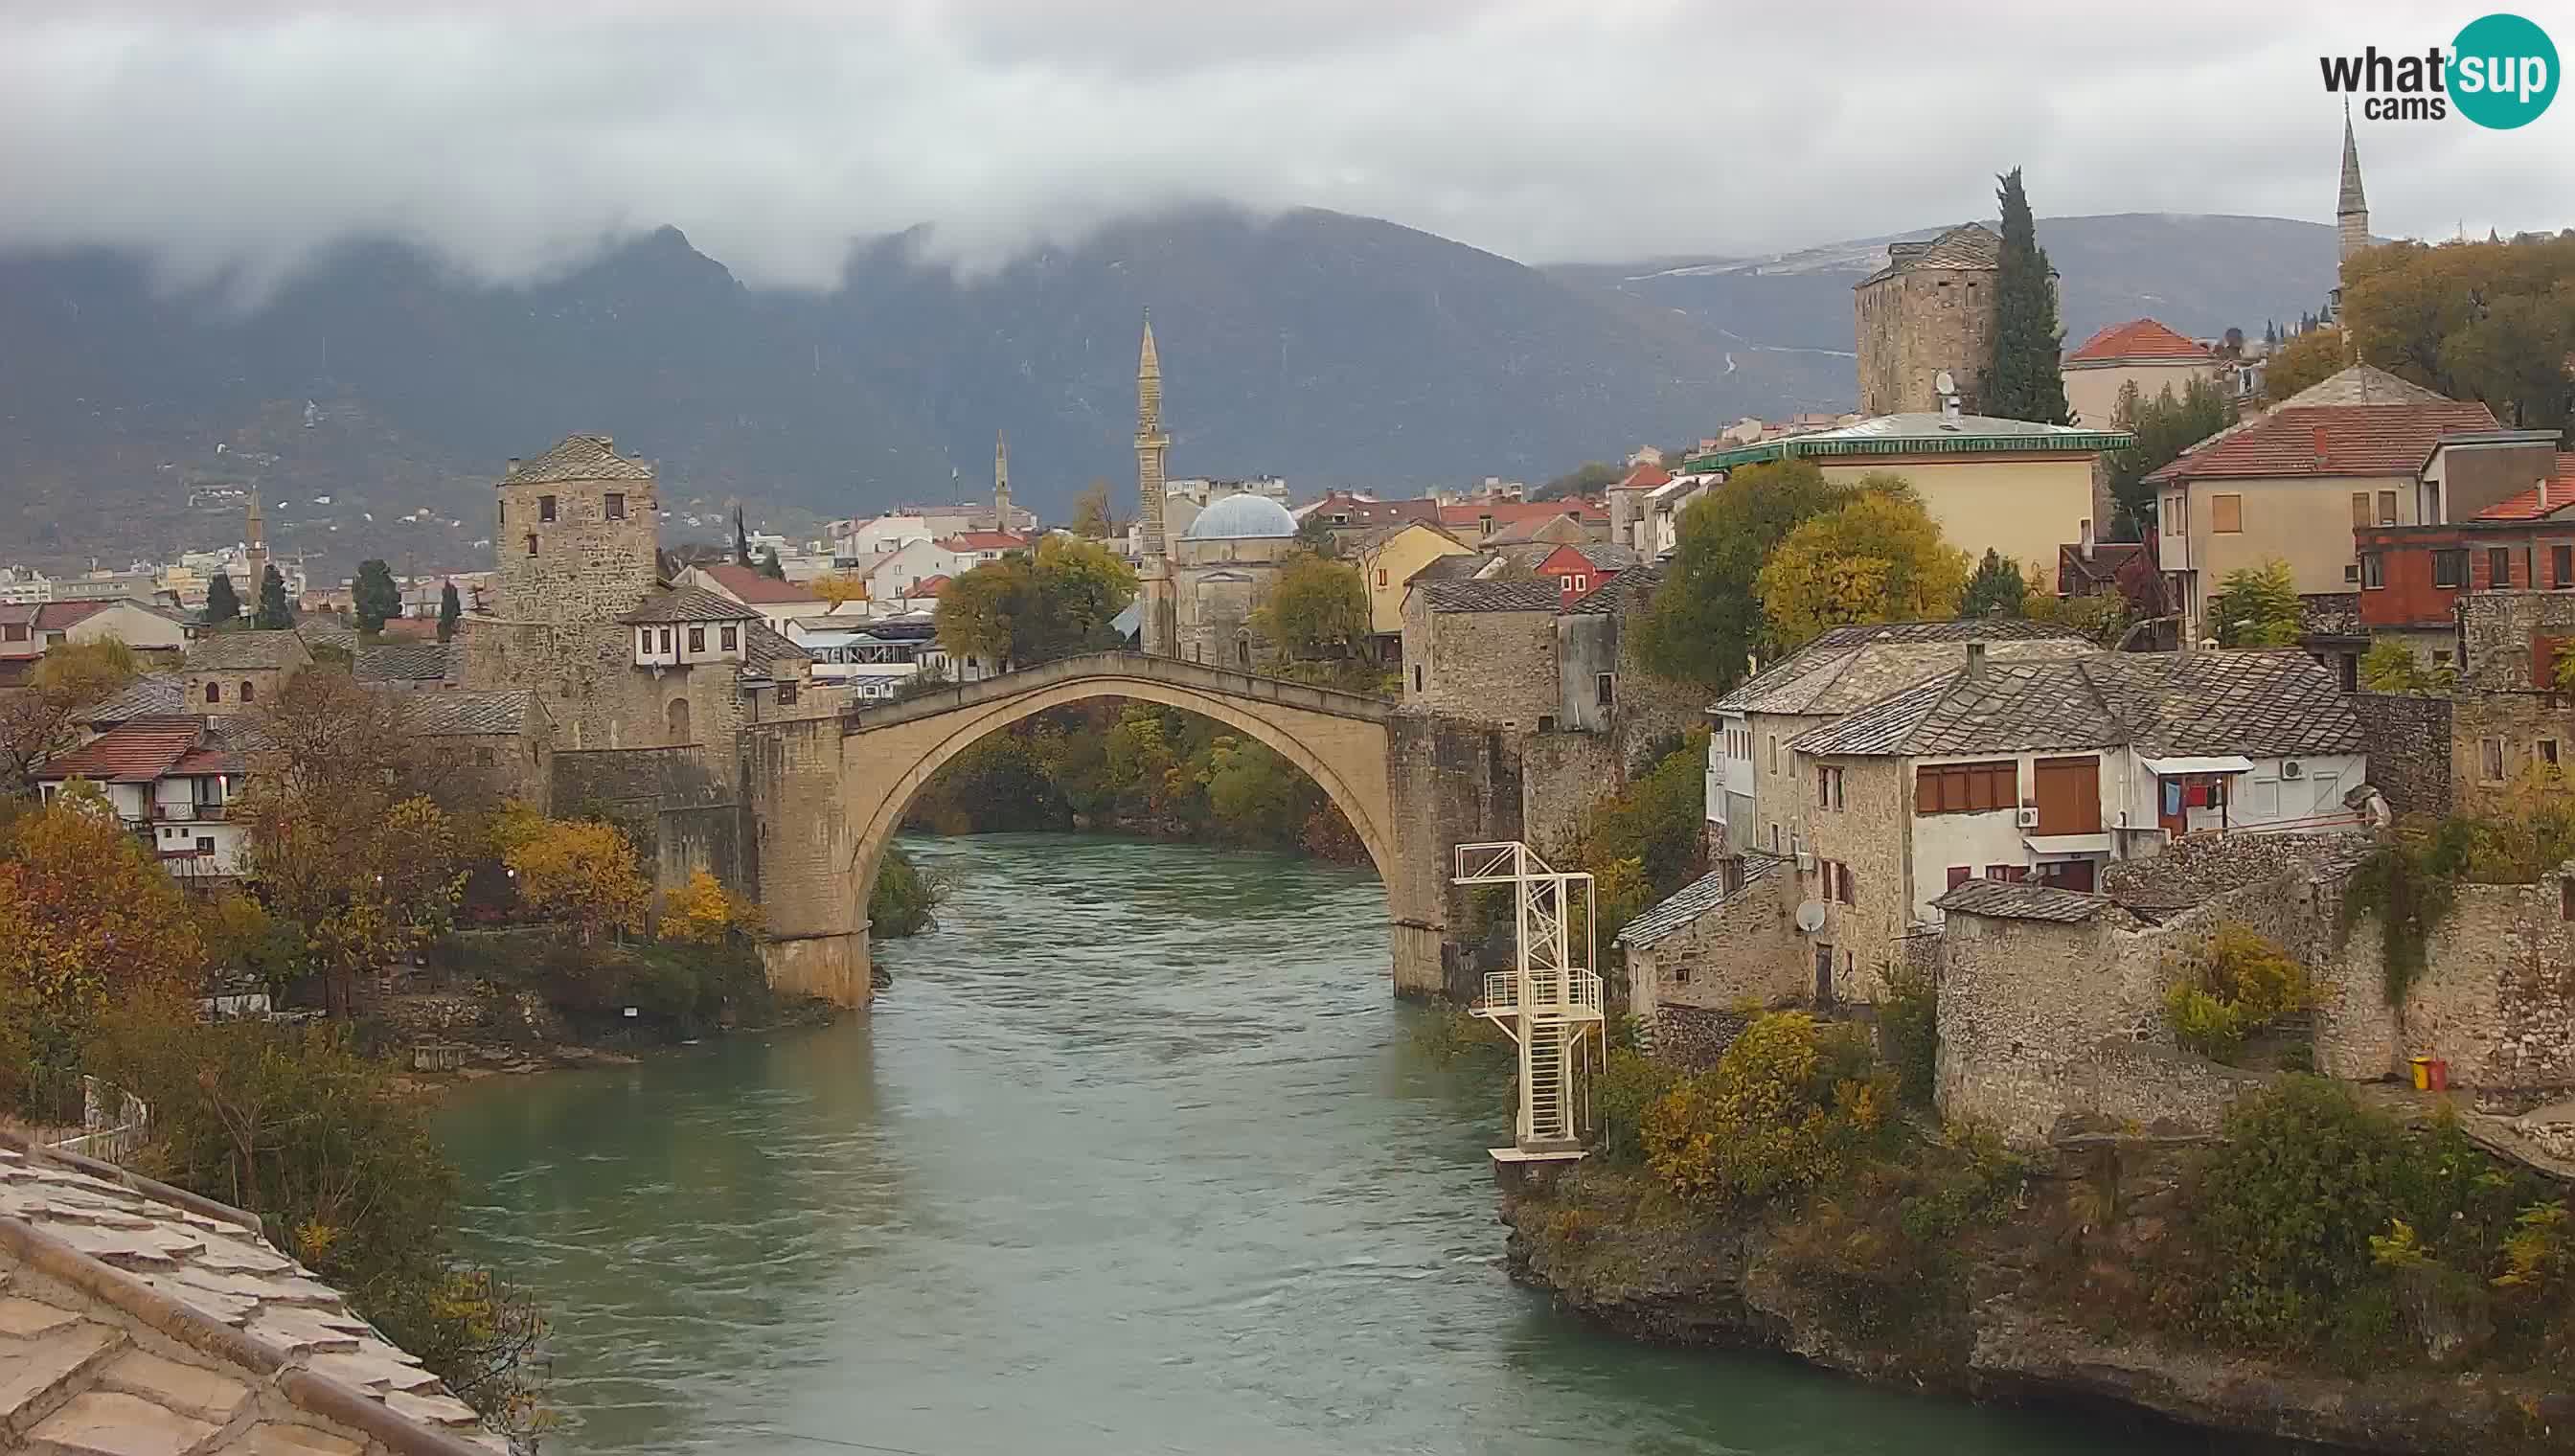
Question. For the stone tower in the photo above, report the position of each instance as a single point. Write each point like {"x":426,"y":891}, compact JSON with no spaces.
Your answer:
{"x":1932,"y":308}
{"x":1159,"y":630}
{"x":576,"y":535}
{"x":2351,"y":211}
{"x":1001,"y":482}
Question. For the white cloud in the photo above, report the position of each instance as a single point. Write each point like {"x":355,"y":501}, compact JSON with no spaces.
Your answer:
{"x":517,"y":139}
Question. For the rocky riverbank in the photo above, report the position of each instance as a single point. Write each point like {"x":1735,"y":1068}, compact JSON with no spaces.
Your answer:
{"x":2039,"y":1304}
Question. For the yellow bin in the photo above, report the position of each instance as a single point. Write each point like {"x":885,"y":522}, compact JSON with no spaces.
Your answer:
{"x":2422,"y":1073}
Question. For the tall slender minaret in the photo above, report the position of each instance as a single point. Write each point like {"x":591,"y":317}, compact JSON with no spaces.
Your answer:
{"x":1159,"y":630}
{"x":1001,"y":482}
{"x":254,"y":549}
{"x":2351,"y":212}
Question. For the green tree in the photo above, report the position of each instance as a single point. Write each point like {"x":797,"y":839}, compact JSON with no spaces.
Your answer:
{"x":41,"y":718}
{"x":2490,"y":321}
{"x":2256,"y":607}
{"x":2164,"y":427}
{"x":978,"y":611}
{"x":741,"y":541}
{"x":1996,"y":588}
{"x":377,"y":600}
{"x":2301,"y":364}
{"x":1028,"y":607}
{"x":1314,"y":535}
{"x":772,"y":568}
{"x":274,"y":613}
{"x":222,"y":604}
{"x":2391,"y":666}
{"x":1878,"y":559}
{"x":1588,"y":478}
{"x":451,"y":611}
{"x":2022,"y":380}
{"x":1705,"y":623}
{"x":1317,"y":608}
{"x":1092,"y":516}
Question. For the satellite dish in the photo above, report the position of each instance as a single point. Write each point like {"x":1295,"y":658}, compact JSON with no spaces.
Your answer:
{"x":1946,"y":383}
{"x":1810,"y":916}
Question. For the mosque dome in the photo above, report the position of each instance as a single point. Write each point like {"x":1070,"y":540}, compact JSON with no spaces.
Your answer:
{"x":1241,"y":516}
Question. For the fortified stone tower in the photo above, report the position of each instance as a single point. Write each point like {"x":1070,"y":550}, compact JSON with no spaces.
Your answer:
{"x":1930,"y":309}
{"x":1159,"y":630}
{"x":2351,"y":211}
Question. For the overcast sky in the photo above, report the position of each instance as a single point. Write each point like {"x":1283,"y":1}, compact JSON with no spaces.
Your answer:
{"x":519,"y":137}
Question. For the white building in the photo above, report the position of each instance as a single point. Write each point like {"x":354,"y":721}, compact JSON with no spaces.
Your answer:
{"x":170,"y":779}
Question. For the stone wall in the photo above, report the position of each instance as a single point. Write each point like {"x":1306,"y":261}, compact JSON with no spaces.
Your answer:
{"x":1491,"y":667}
{"x":1867,"y":833}
{"x":1744,"y":953}
{"x":2496,"y":630}
{"x":1451,"y":783}
{"x":691,"y":815}
{"x":2496,"y":999}
{"x":1693,"y":1037}
{"x":2408,"y":744}
{"x":1913,"y":325}
{"x":1562,"y":777}
{"x":2522,"y":730}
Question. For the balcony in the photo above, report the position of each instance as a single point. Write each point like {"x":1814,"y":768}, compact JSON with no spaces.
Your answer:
{"x":1575,"y":994}
{"x":189,"y":813}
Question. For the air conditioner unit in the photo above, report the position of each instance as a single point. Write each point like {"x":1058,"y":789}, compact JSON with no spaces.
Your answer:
{"x":2289,"y":768}
{"x":1805,"y":862}
{"x":2027,"y":818}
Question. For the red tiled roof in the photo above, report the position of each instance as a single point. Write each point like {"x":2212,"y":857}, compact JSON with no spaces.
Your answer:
{"x":1512,"y":513}
{"x":2137,"y":339}
{"x":55,"y":615}
{"x":1358,"y":513}
{"x":984,"y":540}
{"x":2330,"y":439}
{"x":1644,"y":478}
{"x":2546,"y":498}
{"x":746,"y":585}
{"x":201,"y":762}
{"x":135,"y":752}
{"x":928,"y":587}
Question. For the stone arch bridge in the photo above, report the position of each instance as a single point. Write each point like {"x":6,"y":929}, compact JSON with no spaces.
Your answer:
{"x":825,"y":796}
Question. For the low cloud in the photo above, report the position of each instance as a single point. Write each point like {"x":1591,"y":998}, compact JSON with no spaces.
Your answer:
{"x":517,"y":140}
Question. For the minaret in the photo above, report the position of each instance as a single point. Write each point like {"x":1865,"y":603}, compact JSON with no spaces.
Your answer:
{"x":1159,"y":630}
{"x":2351,"y":212}
{"x":255,"y":551}
{"x":1001,"y":482}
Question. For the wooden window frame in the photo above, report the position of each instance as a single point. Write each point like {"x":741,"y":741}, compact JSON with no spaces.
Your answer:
{"x":544,"y":509}
{"x":2498,"y":568}
{"x":2227,"y":514}
{"x":2387,"y":508}
{"x":1983,"y":786}
{"x":2457,"y":559}
{"x":2362,"y":516}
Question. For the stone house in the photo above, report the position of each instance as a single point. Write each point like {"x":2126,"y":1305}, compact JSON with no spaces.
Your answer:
{"x":2139,"y":352}
{"x":1224,"y":568}
{"x":235,"y":671}
{"x":28,"y":628}
{"x":1930,"y":310}
{"x":1353,"y":519}
{"x":2020,"y":487}
{"x":1481,"y":650}
{"x":1626,"y":502}
{"x":1388,"y":560}
{"x":486,"y":747}
{"x":171,"y":780}
{"x":2352,"y":448}
{"x":1581,"y":569}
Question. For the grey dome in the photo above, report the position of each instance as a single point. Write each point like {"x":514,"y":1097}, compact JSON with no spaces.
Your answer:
{"x":1238,"y":518}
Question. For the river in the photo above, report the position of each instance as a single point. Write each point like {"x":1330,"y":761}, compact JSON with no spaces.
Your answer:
{"x":1138,"y":1155}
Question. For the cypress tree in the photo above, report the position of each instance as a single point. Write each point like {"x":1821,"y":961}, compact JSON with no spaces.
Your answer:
{"x":222,"y":605}
{"x":741,"y":542}
{"x":2022,"y":380}
{"x":377,"y":598}
{"x":273,"y":614}
{"x":451,"y":611}
{"x":772,"y":568}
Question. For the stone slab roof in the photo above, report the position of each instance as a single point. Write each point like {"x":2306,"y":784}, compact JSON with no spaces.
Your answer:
{"x":1697,"y":898}
{"x":2006,"y":902}
{"x":1622,"y":592}
{"x":136,"y":1319}
{"x":1968,"y":245}
{"x":1849,"y":667}
{"x":686,"y":604}
{"x":411,"y":662}
{"x":764,"y":650}
{"x":1520,"y":596}
{"x":579,"y":458}
{"x":2256,"y":704}
{"x":153,"y":695}
{"x":462,"y":712}
{"x":233,"y":651}
{"x":1454,"y":567}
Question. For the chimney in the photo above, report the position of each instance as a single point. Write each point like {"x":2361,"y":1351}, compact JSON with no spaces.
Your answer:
{"x":514,"y":465}
{"x":2088,"y":538}
{"x":1975,"y":660}
{"x":2321,"y":449}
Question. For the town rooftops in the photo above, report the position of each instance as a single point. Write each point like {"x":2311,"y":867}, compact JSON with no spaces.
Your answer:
{"x":1512,"y":513}
{"x":1620,"y":591}
{"x":151,"y":696}
{"x":237,"y":652}
{"x":1345,"y":510}
{"x":2164,"y":704}
{"x":141,"y":1318}
{"x":686,"y":604}
{"x":972,"y":540}
{"x":2540,"y":502}
{"x":930,"y":585}
{"x":1524,"y":594}
{"x":410,"y":662}
{"x":764,"y":650}
{"x":576,"y":458}
{"x":2003,"y":900}
{"x":1849,"y":667}
{"x":1694,"y":899}
{"x":51,"y":615}
{"x":1968,"y":245}
{"x":2138,"y":341}
{"x":1645,"y":477}
{"x":1924,"y":433}
{"x":2329,"y":440}
{"x":135,"y":752}
{"x":746,"y":584}
{"x":1377,"y":538}
{"x":463,"y":712}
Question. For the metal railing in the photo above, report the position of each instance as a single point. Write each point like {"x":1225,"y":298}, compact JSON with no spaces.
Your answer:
{"x":1578,"y":990}
{"x":112,"y":1121}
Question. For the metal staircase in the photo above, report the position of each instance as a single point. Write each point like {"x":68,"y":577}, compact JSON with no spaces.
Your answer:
{"x":1549,"y":1001}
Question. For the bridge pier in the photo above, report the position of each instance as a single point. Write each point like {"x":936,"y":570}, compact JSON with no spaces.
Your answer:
{"x":835,"y":968}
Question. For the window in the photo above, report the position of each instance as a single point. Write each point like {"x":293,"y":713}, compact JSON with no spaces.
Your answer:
{"x":483,"y":757}
{"x":1381,"y":575}
{"x":2450,"y":568}
{"x":2548,"y":752}
{"x":2387,"y":508}
{"x":532,"y":542}
{"x":1581,"y":583}
{"x":205,"y":843}
{"x":1959,"y":874}
{"x":2490,"y":760}
{"x":249,"y":691}
{"x":504,"y":513}
{"x":786,"y":692}
{"x":1604,"y":689}
{"x":644,"y":639}
{"x":617,"y":505}
{"x":1774,"y":752}
{"x":1775,"y":838}
{"x":696,"y":639}
{"x":545,"y":507}
{"x":1829,"y":786}
{"x":214,"y":693}
{"x":2351,"y":573}
{"x":1416,"y":677}
{"x":1966,"y":787}
{"x":731,"y":637}
{"x":2561,"y":567}
{"x":2007,"y":873}
{"x":2498,"y":568}
{"x":2227,"y":514}
{"x":666,"y":640}
{"x":2374,"y":571}
{"x":2361,"y":516}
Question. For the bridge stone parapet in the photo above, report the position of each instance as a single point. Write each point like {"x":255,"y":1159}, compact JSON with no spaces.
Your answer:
{"x":825,"y":797}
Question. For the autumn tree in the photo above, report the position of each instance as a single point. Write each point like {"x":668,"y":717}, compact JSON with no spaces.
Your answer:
{"x":342,"y":836}
{"x":704,"y":913}
{"x":1996,"y":590}
{"x":377,"y":598}
{"x":1879,"y":557}
{"x":2491,"y":321}
{"x":2301,"y":364}
{"x":2256,"y":607}
{"x":2163,"y":427}
{"x":841,"y":587}
{"x":1029,"y":607}
{"x":223,"y":606}
{"x":274,"y":614}
{"x":2023,"y":380}
{"x":88,"y":920}
{"x":582,"y":871}
{"x":1092,"y":513}
{"x":1706,"y":623}
{"x":451,"y":611}
{"x":1317,"y":608}
{"x":41,"y":718}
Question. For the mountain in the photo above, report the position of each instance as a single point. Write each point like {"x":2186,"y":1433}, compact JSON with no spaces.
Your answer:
{"x":1327,"y":348}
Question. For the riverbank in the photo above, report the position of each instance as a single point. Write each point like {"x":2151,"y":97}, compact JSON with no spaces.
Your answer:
{"x":2042,"y":1303}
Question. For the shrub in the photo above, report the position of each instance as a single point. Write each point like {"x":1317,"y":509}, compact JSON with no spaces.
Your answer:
{"x":906,"y":899}
{"x":2239,"y":985}
{"x":1784,"y":1109}
{"x":1908,"y":1025}
{"x":704,"y":913}
{"x":1631,"y":1082}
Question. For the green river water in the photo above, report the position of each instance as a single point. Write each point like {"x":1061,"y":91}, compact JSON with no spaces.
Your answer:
{"x":1138,"y":1155}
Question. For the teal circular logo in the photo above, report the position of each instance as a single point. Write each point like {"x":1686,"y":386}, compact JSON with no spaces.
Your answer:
{"x":2503,"y":71}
